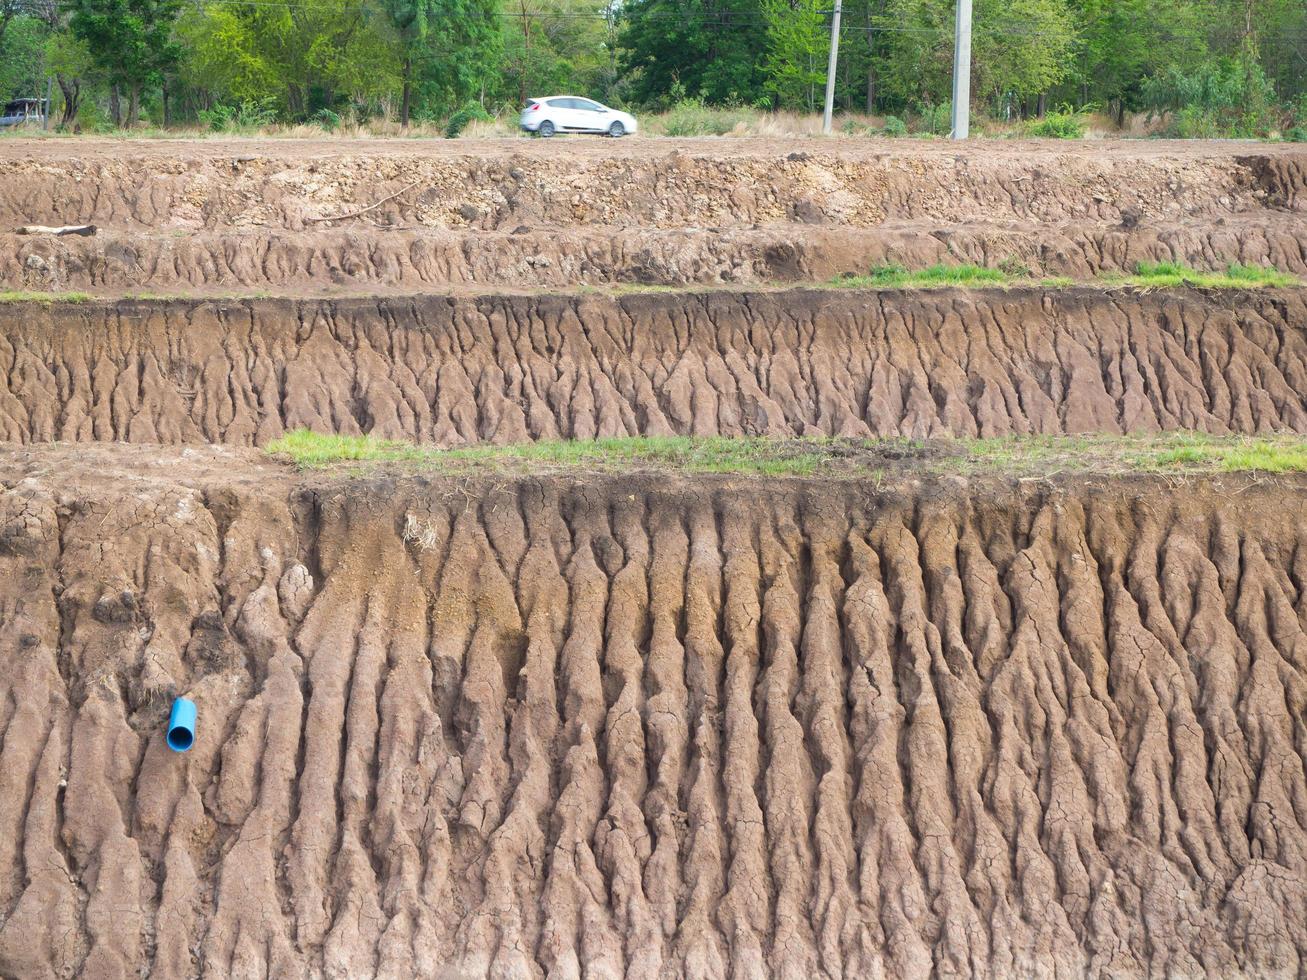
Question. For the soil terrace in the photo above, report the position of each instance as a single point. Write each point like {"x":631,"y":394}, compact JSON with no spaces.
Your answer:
{"x":226,"y":215}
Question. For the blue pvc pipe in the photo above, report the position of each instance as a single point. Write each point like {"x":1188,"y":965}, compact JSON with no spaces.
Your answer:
{"x":181,"y":725}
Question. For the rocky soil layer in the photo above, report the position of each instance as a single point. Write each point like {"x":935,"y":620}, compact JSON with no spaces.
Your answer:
{"x":246,"y":214}
{"x":452,"y":371}
{"x":635,"y":726}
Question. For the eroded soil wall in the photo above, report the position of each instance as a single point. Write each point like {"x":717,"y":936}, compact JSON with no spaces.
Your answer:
{"x":453,"y":371}
{"x":227,"y":216}
{"x":712,"y":729}
{"x":394,"y":261}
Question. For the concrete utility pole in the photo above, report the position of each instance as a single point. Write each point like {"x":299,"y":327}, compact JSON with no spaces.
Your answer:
{"x":962,"y":72}
{"x":830,"y":68}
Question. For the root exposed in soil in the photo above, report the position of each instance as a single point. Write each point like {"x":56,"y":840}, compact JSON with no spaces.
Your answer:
{"x":647,"y":727}
{"x":453,"y":371}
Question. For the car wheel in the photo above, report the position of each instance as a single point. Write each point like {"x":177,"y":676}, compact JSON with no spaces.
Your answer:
{"x":546,"y":129}
{"x":616,"y":130}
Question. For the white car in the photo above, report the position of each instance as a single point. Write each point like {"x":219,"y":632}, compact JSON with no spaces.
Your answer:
{"x":573,"y":114}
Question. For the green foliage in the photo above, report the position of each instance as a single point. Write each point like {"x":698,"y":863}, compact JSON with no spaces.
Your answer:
{"x":1019,"y":47}
{"x":1176,"y":453}
{"x":894,"y":126}
{"x":553,"y":46}
{"x":1228,"y":96}
{"x":1296,"y":134}
{"x":894,"y":276}
{"x":328,"y":119}
{"x":305,"y":56}
{"x":448,"y":48}
{"x":936,"y":120}
{"x":709,"y":49}
{"x":1210,"y":67}
{"x":1064,"y":124}
{"x":1147,"y":275}
{"x":703,"y":454}
{"x":798,"y":43}
{"x":459,"y":120}
{"x":249,"y":114}
{"x":129,"y":40}
{"x":692,"y":117}
{"x":1169,"y":274}
{"x":22,"y":59}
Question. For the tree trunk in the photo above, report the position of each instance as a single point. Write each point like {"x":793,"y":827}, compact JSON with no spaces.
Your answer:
{"x":72,"y":90}
{"x":407,"y":99}
{"x":134,"y":106}
{"x":166,"y":114}
{"x":115,"y":107}
{"x":1042,"y":105}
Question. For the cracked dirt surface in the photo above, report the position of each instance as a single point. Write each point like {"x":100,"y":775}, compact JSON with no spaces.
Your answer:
{"x":647,"y":726}
{"x":218,"y":215}
{"x":452,"y":371}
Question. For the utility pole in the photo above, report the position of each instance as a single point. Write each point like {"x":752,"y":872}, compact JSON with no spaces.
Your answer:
{"x":962,"y":72}
{"x":830,"y":68}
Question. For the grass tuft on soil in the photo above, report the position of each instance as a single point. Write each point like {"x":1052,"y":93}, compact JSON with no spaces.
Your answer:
{"x":20,"y":296}
{"x":1179,"y":453}
{"x":710,"y":454}
{"x":897,"y":277}
{"x":1236,"y":276}
{"x":1147,"y":275}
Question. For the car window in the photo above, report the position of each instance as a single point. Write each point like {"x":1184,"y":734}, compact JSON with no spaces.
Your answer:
{"x":559,"y":103}
{"x":586,"y":104}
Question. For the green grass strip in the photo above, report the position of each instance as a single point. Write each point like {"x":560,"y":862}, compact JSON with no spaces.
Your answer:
{"x":1021,"y":456}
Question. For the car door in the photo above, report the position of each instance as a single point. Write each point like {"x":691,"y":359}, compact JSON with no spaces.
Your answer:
{"x":562,"y":114}
{"x":590,"y":116}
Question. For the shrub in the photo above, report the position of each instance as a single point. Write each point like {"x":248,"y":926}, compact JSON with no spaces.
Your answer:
{"x":1225,"y":97}
{"x":894,"y":126}
{"x":249,"y":114}
{"x":692,"y":117}
{"x":459,"y":120}
{"x":1195,"y":123}
{"x":1064,"y":124}
{"x":1296,"y":134}
{"x":936,"y":120}
{"x":327,"y":119}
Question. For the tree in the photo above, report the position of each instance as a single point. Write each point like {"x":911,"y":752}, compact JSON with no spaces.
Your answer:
{"x":711,"y":49}
{"x":1122,"y":42}
{"x":304,"y":55}
{"x":70,"y":61}
{"x":1020,"y":47}
{"x":411,"y":20}
{"x":457,"y":54}
{"x":798,"y":41}
{"x":22,"y":61}
{"x":551,"y":45}
{"x":130,"y":40}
